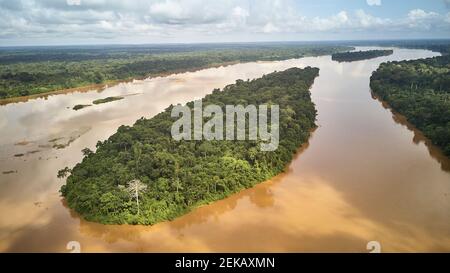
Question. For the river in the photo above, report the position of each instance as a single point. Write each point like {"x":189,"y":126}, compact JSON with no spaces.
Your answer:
{"x":365,"y":175}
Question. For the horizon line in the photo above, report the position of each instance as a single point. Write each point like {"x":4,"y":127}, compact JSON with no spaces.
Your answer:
{"x":228,"y":42}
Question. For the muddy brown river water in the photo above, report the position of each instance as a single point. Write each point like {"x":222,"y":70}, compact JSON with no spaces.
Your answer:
{"x":365,"y":175}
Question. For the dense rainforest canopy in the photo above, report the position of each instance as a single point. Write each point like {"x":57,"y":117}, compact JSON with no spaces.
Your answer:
{"x":35,"y":70}
{"x":419,"y":90}
{"x":437,"y":45}
{"x":141,"y":175}
{"x":359,"y":55}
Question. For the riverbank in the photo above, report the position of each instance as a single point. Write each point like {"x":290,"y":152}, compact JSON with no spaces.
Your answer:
{"x":172,"y":177}
{"x":356,"y":181}
{"x":102,"y":86}
{"x":435,"y":151}
{"x":49,"y":76}
{"x":419,"y":90}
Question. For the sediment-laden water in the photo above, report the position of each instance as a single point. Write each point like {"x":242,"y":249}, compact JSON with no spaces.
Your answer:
{"x":365,"y":175}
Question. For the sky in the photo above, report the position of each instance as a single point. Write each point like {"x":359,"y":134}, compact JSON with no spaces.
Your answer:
{"x":72,"y":22}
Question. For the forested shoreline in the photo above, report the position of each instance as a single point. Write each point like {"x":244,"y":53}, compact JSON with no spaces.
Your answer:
{"x":25,"y":72}
{"x":169,"y":178}
{"x":352,"y":56}
{"x":419,"y":90}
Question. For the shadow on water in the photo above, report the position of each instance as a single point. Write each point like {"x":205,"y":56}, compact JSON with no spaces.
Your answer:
{"x":260,"y":196}
{"x":393,"y":192}
{"x":434,"y":151}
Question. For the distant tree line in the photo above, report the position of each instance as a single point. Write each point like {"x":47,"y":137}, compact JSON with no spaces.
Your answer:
{"x":28,"y":71}
{"x":352,"y":56}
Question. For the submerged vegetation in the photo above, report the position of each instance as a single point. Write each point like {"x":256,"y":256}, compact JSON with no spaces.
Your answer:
{"x":141,"y":175}
{"x":29,"y":71}
{"x":419,"y":90}
{"x":360,"y":55}
{"x":80,"y":106}
{"x":98,"y":101}
{"x":106,"y":100}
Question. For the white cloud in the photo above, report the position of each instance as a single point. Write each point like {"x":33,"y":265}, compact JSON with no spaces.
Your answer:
{"x":374,"y":2}
{"x":239,"y":16}
{"x":269,"y":28}
{"x":168,"y":11}
{"x":366,"y":20}
{"x":340,"y":20}
{"x":420,"y":19}
{"x":190,"y":11}
{"x":175,"y":19}
{"x":419,"y":14}
{"x":73,"y":2}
